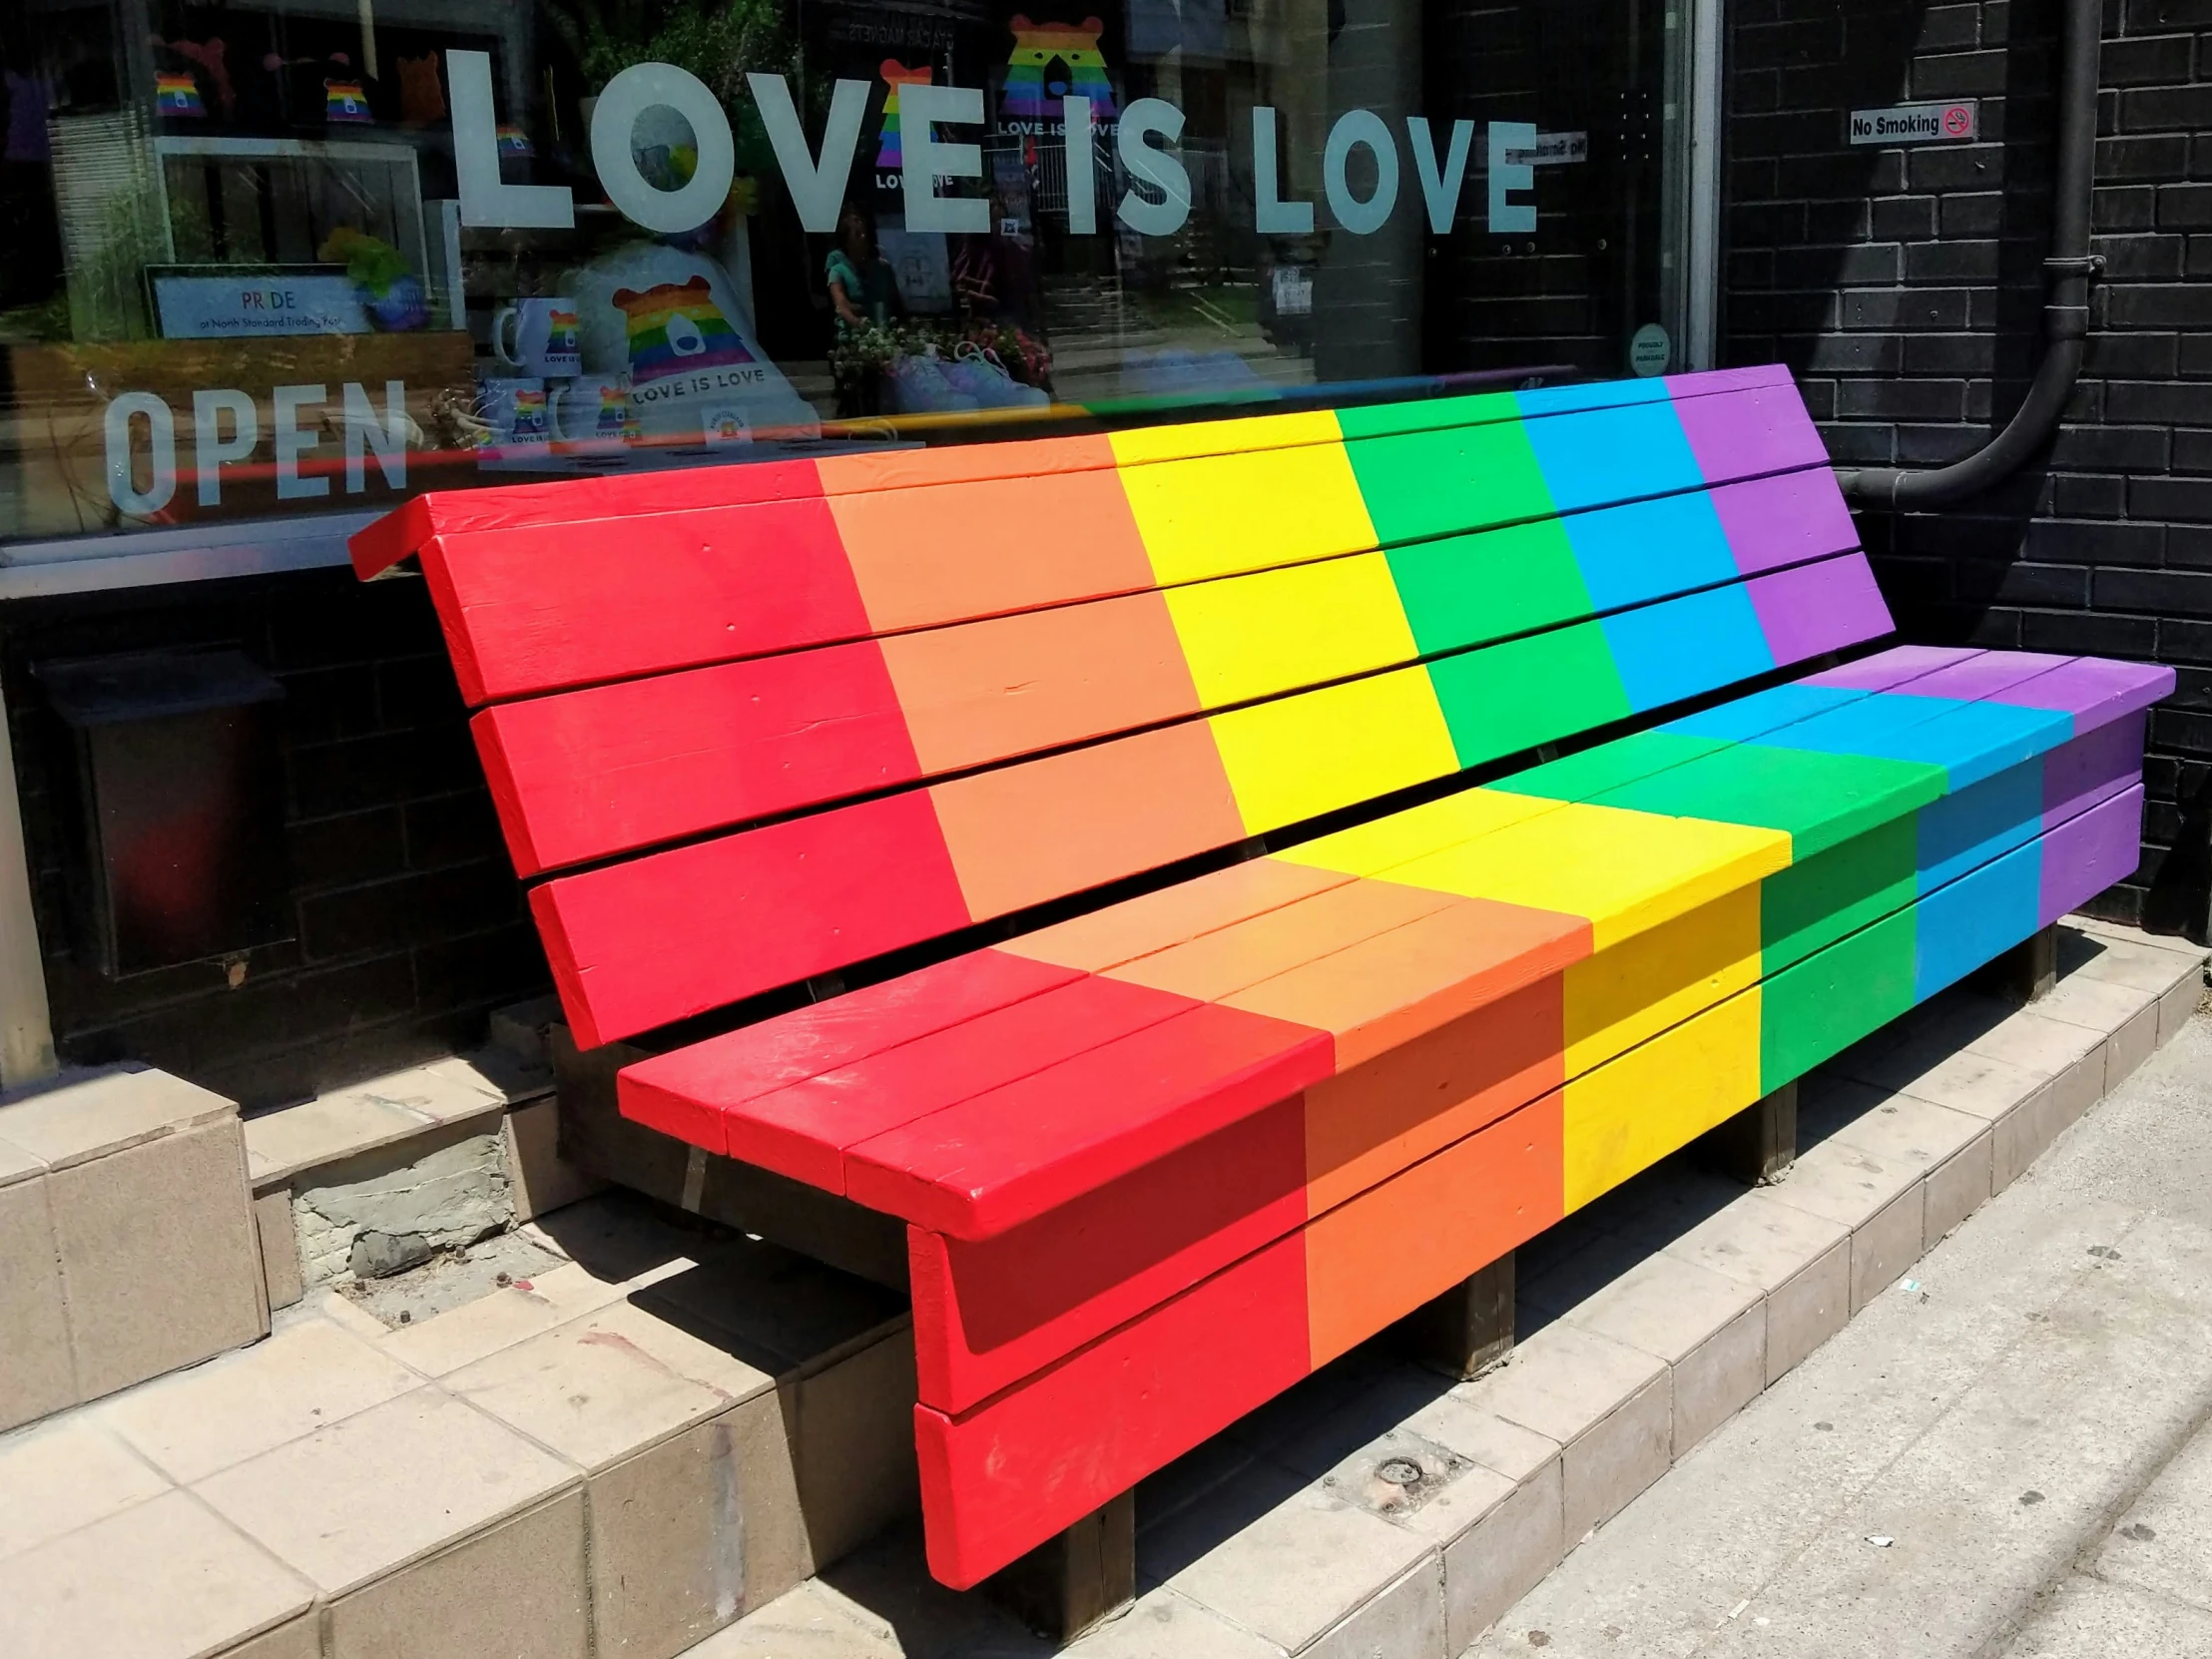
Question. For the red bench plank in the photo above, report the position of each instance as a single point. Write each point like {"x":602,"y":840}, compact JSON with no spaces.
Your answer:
{"x":636,"y":946}
{"x":613,"y":768}
{"x":1009,"y":1155}
{"x":687,"y":1091}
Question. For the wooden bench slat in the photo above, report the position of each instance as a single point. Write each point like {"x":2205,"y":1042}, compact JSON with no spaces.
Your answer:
{"x":705,"y":584}
{"x":712,"y":751}
{"x":989,"y":843}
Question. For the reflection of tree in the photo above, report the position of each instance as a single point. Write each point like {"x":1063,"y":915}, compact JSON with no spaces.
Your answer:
{"x":720,"y":41}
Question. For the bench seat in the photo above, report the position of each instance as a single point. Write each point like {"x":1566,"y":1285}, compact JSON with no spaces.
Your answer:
{"x":1257,"y":1052}
{"x":1162,"y":1155}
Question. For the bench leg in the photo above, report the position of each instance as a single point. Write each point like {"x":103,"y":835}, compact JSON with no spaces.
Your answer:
{"x":1758,"y":1143}
{"x":2027,"y":971}
{"x":1085,"y":1575}
{"x":1470,"y":1326}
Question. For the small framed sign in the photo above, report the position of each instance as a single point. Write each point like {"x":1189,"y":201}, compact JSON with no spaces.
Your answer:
{"x":243,"y":301}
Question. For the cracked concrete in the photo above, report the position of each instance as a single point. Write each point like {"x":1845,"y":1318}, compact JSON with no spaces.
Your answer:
{"x":369,"y":1216}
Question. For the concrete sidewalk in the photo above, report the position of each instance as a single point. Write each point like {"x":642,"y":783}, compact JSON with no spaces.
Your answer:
{"x":2007,"y":1454}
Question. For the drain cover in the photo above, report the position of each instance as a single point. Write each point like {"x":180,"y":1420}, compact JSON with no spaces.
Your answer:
{"x":1398,"y":1471}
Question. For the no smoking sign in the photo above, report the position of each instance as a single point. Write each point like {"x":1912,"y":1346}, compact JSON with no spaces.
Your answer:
{"x":1914,"y":124}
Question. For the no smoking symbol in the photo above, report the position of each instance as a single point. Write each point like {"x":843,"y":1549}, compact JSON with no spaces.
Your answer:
{"x":1957,"y":121}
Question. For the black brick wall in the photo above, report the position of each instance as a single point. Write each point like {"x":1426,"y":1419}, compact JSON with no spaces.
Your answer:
{"x":1904,"y":288}
{"x":408,"y":920}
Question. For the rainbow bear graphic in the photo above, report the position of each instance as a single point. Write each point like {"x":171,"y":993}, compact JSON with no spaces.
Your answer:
{"x":888,"y":153}
{"x":344,"y":101}
{"x":178,"y":94}
{"x":1033,"y":92}
{"x":677,"y":328}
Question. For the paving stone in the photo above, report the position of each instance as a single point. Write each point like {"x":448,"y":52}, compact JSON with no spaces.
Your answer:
{"x":328,"y":1130}
{"x":542,"y":1179}
{"x":816,"y":1622}
{"x":888,"y":1586}
{"x":450,"y":1090}
{"x":691,"y":1532}
{"x":17,"y":1164}
{"x":607,"y":1385}
{"x":299,"y":1638}
{"x":855,"y":1450}
{"x":160,"y":1260}
{"x":1759,"y":1240}
{"x":1905,"y":1130}
{"x":774,"y":1307}
{"x":1405,"y":1621}
{"x":2130,"y":1046}
{"x":1957,"y":1187}
{"x":1450,"y":1494}
{"x":462,"y":1335}
{"x":1482,"y":1437}
{"x":163,"y":1579}
{"x":2178,"y":1004}
{"x":243,"y":1404}
{"x":1711,"y":1330}
{"x":1165,"y":1625}
{"x":279,"y":1242}
{"x":1844,"y":1183}
{"x":2034,"y":1043}
{"x":62,"y":1476}
{"x":39,"y":1376}
{"x":2099,"y":1005}
{"x":75,"y":1122}
{"x":1300,"y":1568}
{"x":1806,"y":1309}
{"x":1981,"y":1085}
{"x":355,"y":1501}
{"x":516,"y":1588}
{"x":1886,"y":1244}
{"x":1502,"y":1557}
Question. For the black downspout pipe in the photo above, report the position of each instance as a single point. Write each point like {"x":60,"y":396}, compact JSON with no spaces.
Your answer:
{"x":2065,"y":313}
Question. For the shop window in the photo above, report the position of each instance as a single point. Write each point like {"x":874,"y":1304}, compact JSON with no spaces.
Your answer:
{"x":270,"y":259}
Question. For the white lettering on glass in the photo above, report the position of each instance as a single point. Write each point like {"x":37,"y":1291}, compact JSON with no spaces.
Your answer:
{"x":1507,"y":216}
{"x":385,"y":438}
{"x":645,"y":85}
{"x":1440,"y":186}
{"x":1356,"y":129}
{"x":210,"y":450}
{"x":927,"y":158}
{"x":1272,"y":216}
{"x":293,"y":441}
{"x":1155,"y":164}
{"x":486,"y":199}
{"x":161,"y":435}
{"x":1078,"y":147}
{"x":817,"y":186}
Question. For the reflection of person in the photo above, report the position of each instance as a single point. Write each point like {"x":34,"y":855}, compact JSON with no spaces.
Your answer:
{"x":864,"y":294}
{"x":863,"y":288}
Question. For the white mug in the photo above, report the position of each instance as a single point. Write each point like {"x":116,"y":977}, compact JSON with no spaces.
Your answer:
{"x":545,"y":337}
{"x":515,"y":410}
{"x":592,"y":415}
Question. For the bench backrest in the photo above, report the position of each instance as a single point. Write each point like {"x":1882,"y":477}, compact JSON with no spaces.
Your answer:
{"x":760,"y":723}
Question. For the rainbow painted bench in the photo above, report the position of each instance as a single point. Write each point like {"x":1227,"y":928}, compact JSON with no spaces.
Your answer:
{"x":1238,"y":963}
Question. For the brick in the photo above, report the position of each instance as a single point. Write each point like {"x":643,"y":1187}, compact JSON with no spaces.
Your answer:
{"x":2166,"y":403}
{"x":2171,"y":499}
{"x":2163,"y":157}
{"x":1951,"y":262}
{"x":2159,"y":592}
{"x":1952,"y":354}
{"x":2144,"y":62}
{"x":2166,"y":109}
{"x":2123,"y":208}
{"x":2129,"y":448}
{"x":2133,"y":356}
{"x":1959,"y":75}
{"x":2090,"y":496}
{"x":1900,"y":399}
{"x":1904,"y":218}
{"x":1963,"y":167}
{"x":1917,"y":309}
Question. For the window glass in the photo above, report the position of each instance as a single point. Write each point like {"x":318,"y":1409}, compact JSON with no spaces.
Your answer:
{"x":311,"y":256}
